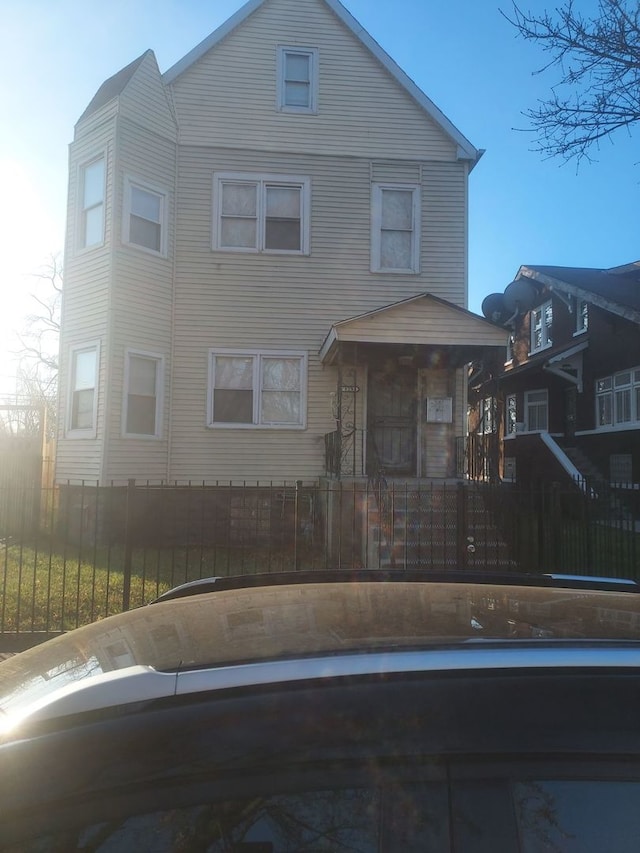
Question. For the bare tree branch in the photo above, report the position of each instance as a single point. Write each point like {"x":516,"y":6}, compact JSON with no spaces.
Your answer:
{"x":597,"y":92}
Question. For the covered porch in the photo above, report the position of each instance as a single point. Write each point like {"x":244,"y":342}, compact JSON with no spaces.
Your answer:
{"x":400,"y":402}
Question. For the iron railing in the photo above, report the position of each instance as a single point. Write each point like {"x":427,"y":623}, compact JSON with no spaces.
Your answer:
{"x":77,"y":552}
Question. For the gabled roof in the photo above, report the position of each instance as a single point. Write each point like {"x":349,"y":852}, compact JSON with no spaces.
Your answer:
{"x":466,"y":151}
{"x":422,"y":320}
{"x":113,"y":87}
{"x":616,"y":289}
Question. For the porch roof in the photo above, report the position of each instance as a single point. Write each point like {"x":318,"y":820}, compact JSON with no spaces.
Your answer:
{"x":423,"y":320}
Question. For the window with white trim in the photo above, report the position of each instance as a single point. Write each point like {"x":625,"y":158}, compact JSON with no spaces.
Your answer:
{"x":582,"y":315}
{"x":257,"y":389}
{"x":536,"y":410}
{"x":541,"y":327}
{"x":510,"y":415}
{"x":297,"y":70}
{"x":83,"y":379}
{"x":92,"y":191}
{"x":618,"y":399}
{"x":143,"y":221}
{"x":395,"y":228}
{"x":142,"y":409}
{"x":261,"y":213}
{"x":487,"y":416}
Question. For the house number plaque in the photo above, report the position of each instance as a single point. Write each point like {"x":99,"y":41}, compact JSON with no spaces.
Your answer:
{"x":350,"y":389}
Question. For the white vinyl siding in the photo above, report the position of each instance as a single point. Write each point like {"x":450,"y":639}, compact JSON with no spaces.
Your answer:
{"x":91,"y":206}
{"x":257,"y":389}
{"x":618,"y":400}
{"x":142,"y":404}
{"x":297,"y":85}
{"x":536,"y":409}
{"x":144,"y":217}
{"x":541,"y":327}
{"x":83,"y":398}
{"x":395,"y":228}
{"x":261,"y":213}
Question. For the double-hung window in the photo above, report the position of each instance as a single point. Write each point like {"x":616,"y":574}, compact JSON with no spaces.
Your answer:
{"x":618,"y":399}
{"x":582,"y":315}
{"x":541,"y":327}
{"x":261,"y":213}
{"x":297,"y":70}
{"x":257,"y":389}
{"x":143,"y":394}
{"x":536,"y":407}
{"x":510,"y":414}
{"x":395,"y":228}
{"x":143,"y":222}
{"x":83,"y":379}
{"x":92,"y":204}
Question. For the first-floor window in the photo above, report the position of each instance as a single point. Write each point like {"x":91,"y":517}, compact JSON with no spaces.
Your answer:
{"x":536,"y":404}
{"x":82,"y":389}
{"x":143,"y":385}
{"x":257,"y":388}
{"x":618,"y":398}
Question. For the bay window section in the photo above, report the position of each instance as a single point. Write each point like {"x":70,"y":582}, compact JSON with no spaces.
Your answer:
{"x":83,"y":378}
{"x":92,"y":204}
{"x":144,"y":218}
{"x":143,"y":394}
{"x":257,"y":389}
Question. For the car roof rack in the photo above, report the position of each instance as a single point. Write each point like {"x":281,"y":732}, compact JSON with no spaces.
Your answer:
{"x":548,"y":580}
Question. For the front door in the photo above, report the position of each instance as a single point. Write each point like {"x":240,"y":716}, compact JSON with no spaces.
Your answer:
{"x":391,"y":422}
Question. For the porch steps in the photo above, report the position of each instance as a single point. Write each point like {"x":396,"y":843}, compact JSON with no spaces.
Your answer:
{"x":419,"y":528}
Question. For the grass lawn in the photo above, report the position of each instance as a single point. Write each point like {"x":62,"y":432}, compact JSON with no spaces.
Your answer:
{"x":61,"y":590}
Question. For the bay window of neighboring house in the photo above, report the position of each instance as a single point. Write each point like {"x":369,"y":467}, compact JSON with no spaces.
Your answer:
{"x":143,"y":221}
{"x":536,"y":408}
{"x":143,"y":394}
{"x":92,"y":191}
{"x":297,"y":70}
{"x":395,"y":228}
{"x":618,"y":399}
{"x":83,"y":378}
{"x":261,"y":213}
{"x":257,"y":389}
{"x":541,"y":327}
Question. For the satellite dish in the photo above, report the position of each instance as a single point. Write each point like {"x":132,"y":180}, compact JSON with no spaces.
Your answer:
{"x":493,"y":308}
{"x":521,"y":295}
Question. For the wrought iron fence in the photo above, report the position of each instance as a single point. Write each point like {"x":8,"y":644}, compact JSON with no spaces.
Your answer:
{"x":75,"y":553}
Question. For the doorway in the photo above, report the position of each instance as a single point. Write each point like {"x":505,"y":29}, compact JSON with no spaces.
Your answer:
{"x":392,"y":421}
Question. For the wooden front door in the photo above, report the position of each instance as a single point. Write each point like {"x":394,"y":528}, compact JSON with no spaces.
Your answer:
{"x":392,"y":422}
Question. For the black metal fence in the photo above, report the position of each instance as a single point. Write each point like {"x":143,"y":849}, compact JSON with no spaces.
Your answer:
{"x":75,"y":553}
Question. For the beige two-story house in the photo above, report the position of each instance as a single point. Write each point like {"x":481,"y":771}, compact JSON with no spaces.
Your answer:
{"x":266,"y":264}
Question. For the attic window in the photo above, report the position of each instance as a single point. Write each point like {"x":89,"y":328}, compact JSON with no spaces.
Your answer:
{"x":541,"y":327}
{"x":297,"y":69}
{"x":582,"y":316}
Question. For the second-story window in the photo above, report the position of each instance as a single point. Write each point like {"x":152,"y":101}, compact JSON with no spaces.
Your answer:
{"x":395,"y":228}
{"x":297,"y":69}
{"x":261,"y":213}
{"x":541,"y":327}
{"x":92,"y":204}
{"x":582,"y":315}
{"x":143,"y":219}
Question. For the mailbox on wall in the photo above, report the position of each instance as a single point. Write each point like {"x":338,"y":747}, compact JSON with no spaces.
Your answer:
{"x":439,"y":410}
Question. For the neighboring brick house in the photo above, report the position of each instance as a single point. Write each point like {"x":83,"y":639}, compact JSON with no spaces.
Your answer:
{"x":567,"y":402}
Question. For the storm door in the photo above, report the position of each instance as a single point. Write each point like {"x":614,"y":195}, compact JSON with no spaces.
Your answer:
{"x":392,"y":422}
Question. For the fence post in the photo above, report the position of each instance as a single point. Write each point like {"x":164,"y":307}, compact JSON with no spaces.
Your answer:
{"x":296,"y":525}
{"x":128,"y":546}
{"x":461,"y":526}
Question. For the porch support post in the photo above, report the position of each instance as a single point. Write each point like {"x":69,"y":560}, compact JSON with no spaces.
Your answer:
{"x":339,"y":416}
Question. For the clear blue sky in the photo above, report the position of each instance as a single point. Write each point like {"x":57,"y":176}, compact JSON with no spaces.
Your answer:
{"x":55,"y":53}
